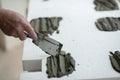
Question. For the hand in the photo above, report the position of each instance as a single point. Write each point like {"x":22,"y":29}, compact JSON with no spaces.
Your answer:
{"x":14,"y":24}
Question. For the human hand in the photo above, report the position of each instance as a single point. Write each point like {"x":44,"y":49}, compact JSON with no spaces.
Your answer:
{"x":14,"y":24}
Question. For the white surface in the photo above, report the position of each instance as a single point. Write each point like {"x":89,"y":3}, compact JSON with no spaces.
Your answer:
{"x":89,"y":46}
{"x":37,"y":76}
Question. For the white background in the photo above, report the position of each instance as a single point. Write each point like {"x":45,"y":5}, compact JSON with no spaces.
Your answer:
{"x":79,"y":35}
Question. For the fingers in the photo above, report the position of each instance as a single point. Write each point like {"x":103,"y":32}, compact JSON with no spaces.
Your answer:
{"x":30,"y":30}
{"x":14,"y":33}
{"x":20,"y":33}
{"x":18,"y":24}
{"x":22,"y":36}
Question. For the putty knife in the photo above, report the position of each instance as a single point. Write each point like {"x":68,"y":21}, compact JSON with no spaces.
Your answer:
{"x":47,"y":44}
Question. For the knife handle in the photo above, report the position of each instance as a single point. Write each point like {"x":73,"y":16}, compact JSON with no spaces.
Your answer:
{"x":27,"y":35}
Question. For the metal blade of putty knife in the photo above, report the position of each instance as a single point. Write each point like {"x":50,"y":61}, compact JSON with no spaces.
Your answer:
{"x":47,"y":44}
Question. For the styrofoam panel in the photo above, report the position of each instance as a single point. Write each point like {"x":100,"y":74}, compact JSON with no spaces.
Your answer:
{"x":32,"y":65}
